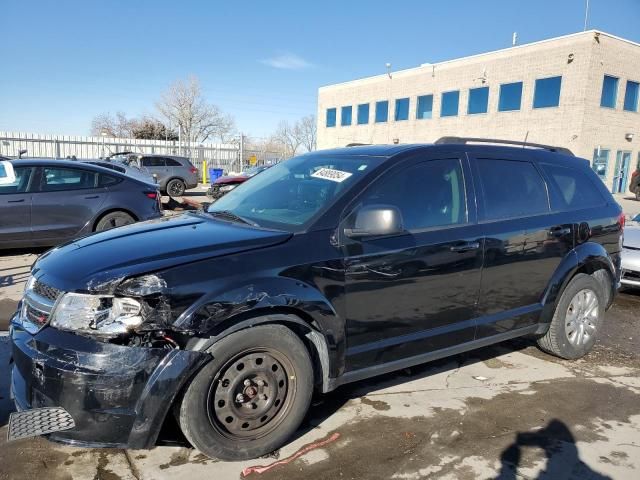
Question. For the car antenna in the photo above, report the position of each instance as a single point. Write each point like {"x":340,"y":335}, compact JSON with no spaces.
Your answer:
{"x":524,"y":144}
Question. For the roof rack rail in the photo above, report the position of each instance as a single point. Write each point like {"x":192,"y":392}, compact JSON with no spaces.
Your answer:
{"x":465,"y":140}
{"x":356,"y":144}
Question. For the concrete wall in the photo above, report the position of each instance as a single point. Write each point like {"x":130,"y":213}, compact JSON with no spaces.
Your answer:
{"x":578,"y":123}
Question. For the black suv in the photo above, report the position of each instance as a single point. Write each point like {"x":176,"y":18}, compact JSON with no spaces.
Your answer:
{"x":328,"y":268}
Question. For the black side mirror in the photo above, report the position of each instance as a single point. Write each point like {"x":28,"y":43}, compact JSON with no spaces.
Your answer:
{"x":376,"y":220}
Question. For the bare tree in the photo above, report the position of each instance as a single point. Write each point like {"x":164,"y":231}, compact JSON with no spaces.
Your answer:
{"x":288,"y":137}
{"x":184,"y":105}
{"x":306,"y":129}
{"x":113,"y":126}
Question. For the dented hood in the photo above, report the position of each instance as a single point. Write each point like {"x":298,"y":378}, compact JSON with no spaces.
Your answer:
{"x":96,"y":262}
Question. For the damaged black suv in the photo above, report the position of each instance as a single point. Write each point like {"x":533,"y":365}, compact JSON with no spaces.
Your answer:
{"x":328,"y":268}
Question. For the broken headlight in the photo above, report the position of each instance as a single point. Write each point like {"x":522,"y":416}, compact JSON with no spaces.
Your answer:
{"x":96,"y":314}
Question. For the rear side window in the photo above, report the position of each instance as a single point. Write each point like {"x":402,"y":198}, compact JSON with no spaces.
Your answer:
{"x":428,"y":194}
{"x":58,"y":179}
{"x":575,"y":189}
{"x":107,"y":180}
{"x":173,"y":163}
{"x":153,"y":161}
{"x":512,"y":189}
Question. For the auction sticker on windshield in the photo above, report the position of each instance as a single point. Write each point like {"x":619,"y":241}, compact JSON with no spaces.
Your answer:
{"x":331,"y":174}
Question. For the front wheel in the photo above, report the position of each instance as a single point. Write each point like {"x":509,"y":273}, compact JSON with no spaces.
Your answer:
{"x":251,"y":397}
{"x":577,"y":320}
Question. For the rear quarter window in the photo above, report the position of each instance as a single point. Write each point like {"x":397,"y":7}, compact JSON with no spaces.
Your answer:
{"x":105,"y":180}
{"x":173,"y":163}
{"x":574,"y":190}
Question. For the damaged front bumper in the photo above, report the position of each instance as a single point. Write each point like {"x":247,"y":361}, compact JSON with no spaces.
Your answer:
{"x":117,"y":396}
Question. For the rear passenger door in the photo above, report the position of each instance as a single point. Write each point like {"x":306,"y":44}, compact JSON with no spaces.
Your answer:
{"x":67,"y":201}
{"x":158,"y":166}
{"x":524,"y":242}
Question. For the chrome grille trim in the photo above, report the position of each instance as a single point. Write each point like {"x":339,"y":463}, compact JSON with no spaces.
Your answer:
{"x":46,"y":291}
{"x":38,"y":299}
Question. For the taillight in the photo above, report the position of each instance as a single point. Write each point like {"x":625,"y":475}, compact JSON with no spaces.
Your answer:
{"x":621,"y":220}
{"x":151,"y":195}
{"x":193,"y":170}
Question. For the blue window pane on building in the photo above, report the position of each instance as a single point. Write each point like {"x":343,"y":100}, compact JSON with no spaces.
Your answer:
{"x":382,"y":111}
{"x":631,"y":96}
{"x":547,"y":92}
{"x":600,"y":162}
{"x":331,"y":117}
{"x":402,"y":109}
{"x":425,"y":107}
{"x":478,"y":100}
{"x":449,"y":107}
{"x":345,"y":116}
{"x":609,"y":92}
{"x":363,"y":114}
{"x":510,"y":97}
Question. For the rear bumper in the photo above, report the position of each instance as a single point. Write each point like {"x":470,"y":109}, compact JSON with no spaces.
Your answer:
{"x":630,"y":267}
{"x":117,"y":396}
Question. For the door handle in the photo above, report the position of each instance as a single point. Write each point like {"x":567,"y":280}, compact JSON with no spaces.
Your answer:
{"x":559,"y":231}
{"x":92,"y":197}
{"x":15,"y":201}
{"x":465,"y":247}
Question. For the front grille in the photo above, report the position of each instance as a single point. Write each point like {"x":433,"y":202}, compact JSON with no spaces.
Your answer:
{"x":36,"y":316}
{"x":46,"y":291}
{"x":38,"y":421}
{"x":630,"y":275}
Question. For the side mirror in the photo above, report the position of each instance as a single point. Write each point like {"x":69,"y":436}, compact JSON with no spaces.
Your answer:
{"x":376,"y":220}
{"x":22,"y":152}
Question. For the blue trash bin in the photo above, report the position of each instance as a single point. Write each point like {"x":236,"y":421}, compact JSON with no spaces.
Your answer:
{"x":215,"y":173}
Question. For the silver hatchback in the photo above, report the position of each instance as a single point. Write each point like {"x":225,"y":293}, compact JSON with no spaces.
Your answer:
{"x":631,"y":254}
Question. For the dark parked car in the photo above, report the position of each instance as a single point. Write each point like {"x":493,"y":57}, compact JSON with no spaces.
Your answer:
{"x":174,"y":174}
{"x":328,"y":268}
{"x":125,"y":169}
{"x":225,"y":184}
{"x":53,"y":201}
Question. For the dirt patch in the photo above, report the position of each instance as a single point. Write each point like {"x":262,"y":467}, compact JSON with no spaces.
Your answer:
{"x":102,"y":470}
{"x":177,"y":459}
{"x":31,"y":458}
{"x":508,"y":431}
{"x":376,"y":404}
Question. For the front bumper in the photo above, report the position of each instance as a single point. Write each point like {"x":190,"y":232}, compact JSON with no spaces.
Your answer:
{"x":630,"y":267}
{"x":117,"y":396}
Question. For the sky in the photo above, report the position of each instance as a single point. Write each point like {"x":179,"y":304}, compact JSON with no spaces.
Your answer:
{"x":63,"y":62}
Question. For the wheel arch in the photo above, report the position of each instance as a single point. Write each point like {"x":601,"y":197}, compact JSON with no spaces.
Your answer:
{"x":112,"y":210}
{"x":297,"y":321}
{"x":590,"y":258}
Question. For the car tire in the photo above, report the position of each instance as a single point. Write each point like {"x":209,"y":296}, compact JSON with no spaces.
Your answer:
{"x":176,"y":188}
{"x":113,"y":220}
{"x":251,"y":397}
{"x":578,"y":317}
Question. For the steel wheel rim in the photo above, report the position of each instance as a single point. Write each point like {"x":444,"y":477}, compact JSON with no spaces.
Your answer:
{"x":582,"y":317}
{"x":251,"y":395}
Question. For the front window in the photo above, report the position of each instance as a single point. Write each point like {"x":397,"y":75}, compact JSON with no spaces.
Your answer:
{"x":331,"y":117}
{"x":402,"y":109}
{"x":510,"y":97}
{"x":609,"y":92}
{"x":382,"y":111}
{"x":478,"y":100}
{"x":547,"y":92}
{"x":450,"y":102}
{"x":631,"y":96}
{"x":345,"y":116}
{"x":363,"y":114}
{"x":290,"y":194}
{"x":425,"y":107}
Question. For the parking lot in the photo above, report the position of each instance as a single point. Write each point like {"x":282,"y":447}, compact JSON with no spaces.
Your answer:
{"x":507,"y":411}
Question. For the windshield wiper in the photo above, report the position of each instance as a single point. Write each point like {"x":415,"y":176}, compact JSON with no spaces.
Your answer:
{"x":229,"y":215}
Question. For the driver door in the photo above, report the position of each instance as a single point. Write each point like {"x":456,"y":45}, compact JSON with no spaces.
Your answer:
{"x":415,"y":293}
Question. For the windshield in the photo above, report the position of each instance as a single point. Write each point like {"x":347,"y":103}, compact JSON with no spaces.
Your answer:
{"x":291,"y":193}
